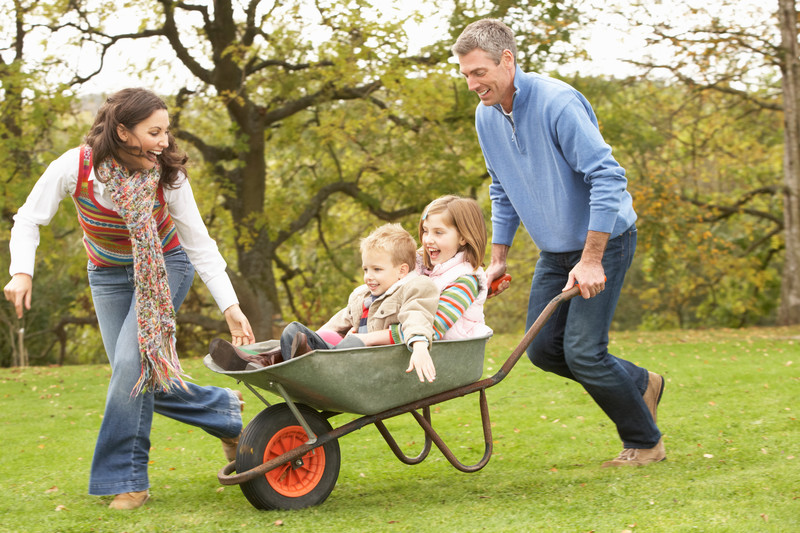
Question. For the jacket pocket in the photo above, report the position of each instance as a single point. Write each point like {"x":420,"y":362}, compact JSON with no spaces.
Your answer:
{"x":387,"y":308}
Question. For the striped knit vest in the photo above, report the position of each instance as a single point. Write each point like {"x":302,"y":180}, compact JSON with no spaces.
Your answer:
{"x":105,"y":235}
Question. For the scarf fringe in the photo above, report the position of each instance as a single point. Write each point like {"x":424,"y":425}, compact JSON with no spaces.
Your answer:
{"x":162,"y":372}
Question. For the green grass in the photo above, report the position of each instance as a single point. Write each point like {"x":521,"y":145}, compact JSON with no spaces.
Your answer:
{"x":729,"y":415}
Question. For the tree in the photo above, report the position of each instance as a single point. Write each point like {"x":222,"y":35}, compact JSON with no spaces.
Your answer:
{"x":336,"y":132}
{"x":790,"y":77}
{"x":749,"y":52}
{"x":38,"y":118}
{"x":702,"y":259}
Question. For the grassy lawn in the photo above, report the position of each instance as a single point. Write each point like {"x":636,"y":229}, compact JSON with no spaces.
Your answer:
{"x":729,"y":415}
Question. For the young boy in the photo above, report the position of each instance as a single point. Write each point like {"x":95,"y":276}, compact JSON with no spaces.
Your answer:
{"x":393,"y":296}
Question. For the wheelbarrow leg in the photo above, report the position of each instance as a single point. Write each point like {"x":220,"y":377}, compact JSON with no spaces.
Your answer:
{"x":426,"y":413}
{"x":487,"y":438}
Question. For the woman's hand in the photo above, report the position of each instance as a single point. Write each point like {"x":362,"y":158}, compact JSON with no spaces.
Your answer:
{"x":18,"y":291}
{"x":241,"y":332}
{"x":421,"y":362}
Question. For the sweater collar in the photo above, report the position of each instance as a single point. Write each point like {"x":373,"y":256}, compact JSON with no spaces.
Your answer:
{"x":520,"y":82}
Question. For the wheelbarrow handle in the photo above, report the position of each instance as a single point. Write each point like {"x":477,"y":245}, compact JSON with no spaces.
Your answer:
{"x":494,"y":285}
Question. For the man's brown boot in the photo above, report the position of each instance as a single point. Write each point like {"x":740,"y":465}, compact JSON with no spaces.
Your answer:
{"x":639,"y":456}
{"x":652,"y":396}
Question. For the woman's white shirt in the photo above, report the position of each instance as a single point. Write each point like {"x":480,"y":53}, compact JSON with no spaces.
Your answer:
{"x":60,"y":180}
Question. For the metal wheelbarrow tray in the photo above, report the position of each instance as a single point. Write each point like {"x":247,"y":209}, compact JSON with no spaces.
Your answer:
{"x":364,"y":380}
{"x":288,"y":455}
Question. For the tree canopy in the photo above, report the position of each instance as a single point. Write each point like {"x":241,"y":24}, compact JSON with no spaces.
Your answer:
{"x":310,"y":123}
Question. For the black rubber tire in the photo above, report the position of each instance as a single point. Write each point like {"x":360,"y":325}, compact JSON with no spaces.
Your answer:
{"x":284,"y":487}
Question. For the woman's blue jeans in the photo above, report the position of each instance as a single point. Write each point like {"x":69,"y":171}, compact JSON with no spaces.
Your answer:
{"x":122,"y":451}
{"x":574,"y":342}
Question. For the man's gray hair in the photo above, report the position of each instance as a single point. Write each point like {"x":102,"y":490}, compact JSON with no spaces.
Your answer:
{"x":490,"y":35}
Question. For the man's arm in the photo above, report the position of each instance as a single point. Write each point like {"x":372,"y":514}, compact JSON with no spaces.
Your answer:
{"x":589,"y":271}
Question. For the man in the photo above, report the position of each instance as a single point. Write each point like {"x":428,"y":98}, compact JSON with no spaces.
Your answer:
{"x":552,"y":170}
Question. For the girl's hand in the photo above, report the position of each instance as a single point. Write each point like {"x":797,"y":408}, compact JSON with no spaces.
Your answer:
{"x":241,"y":332}
{"x":18,"y":291}
{"x":421,"y":362}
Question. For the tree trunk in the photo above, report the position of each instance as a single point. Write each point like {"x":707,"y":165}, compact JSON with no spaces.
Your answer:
{"x":255,"y":286}
{"x":789,"y":310}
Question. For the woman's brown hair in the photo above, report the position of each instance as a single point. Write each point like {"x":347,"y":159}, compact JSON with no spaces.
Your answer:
{"x":129,"y":107}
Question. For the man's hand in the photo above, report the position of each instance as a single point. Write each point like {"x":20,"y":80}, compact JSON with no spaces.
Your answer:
{"x":497,"y":268}
{"x":589,"y":271}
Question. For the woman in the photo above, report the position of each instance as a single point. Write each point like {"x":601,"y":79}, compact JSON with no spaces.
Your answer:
{"x":144,"y":237}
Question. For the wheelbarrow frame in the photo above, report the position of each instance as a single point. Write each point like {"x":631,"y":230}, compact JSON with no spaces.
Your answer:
{"x":226,"y":476}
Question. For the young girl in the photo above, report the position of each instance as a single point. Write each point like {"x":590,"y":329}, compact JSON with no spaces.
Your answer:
{"x":453,"y":237}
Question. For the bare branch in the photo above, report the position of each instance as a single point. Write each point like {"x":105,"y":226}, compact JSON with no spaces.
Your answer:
{"x":722,"y":212}
{"x":325,"y":95}
{"x":170,"y":31}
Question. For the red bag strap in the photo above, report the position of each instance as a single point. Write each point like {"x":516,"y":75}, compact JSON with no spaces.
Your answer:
{"x":84,"y":167}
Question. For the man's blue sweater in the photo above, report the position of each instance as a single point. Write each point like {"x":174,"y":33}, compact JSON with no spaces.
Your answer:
{"x":551,"y":168}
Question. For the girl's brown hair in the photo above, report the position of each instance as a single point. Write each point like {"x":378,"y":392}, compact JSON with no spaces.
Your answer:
{"x":129,"y":107}
{"x":465,"y":215}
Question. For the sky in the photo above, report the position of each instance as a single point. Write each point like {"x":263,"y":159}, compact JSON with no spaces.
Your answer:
{"x":607,"y":42}
{"x":605,"y":46}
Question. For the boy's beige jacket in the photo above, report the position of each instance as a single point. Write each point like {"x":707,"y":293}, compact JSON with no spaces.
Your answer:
{"x":411,"y":302}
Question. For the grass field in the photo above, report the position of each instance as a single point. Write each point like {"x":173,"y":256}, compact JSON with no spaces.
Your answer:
{"x":729,"y":416}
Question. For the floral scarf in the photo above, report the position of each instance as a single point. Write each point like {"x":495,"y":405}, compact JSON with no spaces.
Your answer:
{"x":133,"y":195}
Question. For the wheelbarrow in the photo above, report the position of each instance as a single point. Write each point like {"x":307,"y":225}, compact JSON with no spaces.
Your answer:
{"x":288,"y":455}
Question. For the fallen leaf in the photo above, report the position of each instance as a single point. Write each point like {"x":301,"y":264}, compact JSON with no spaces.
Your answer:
{"x":64,"y":508}
{"x":51,"y":490}
{"x":220,"y":489}
{"x":765,"y":517}
{"x":277,"y":523}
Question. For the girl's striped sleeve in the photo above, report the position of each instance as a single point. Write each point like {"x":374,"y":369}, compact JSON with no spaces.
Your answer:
{"x":453,"y":302}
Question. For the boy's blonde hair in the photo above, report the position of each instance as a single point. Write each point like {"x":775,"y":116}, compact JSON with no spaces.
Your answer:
{"x":394,"y":240}
{"x":465,"y":215}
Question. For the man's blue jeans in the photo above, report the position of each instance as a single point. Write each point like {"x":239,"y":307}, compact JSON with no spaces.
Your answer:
{"x":574,"y":342}
{"x":122,"y":451}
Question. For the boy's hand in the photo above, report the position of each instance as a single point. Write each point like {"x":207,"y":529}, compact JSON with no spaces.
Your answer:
{"x":421,"y":362}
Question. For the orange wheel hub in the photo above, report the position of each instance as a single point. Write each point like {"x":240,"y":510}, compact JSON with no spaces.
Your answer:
{"x":292,"y":480}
